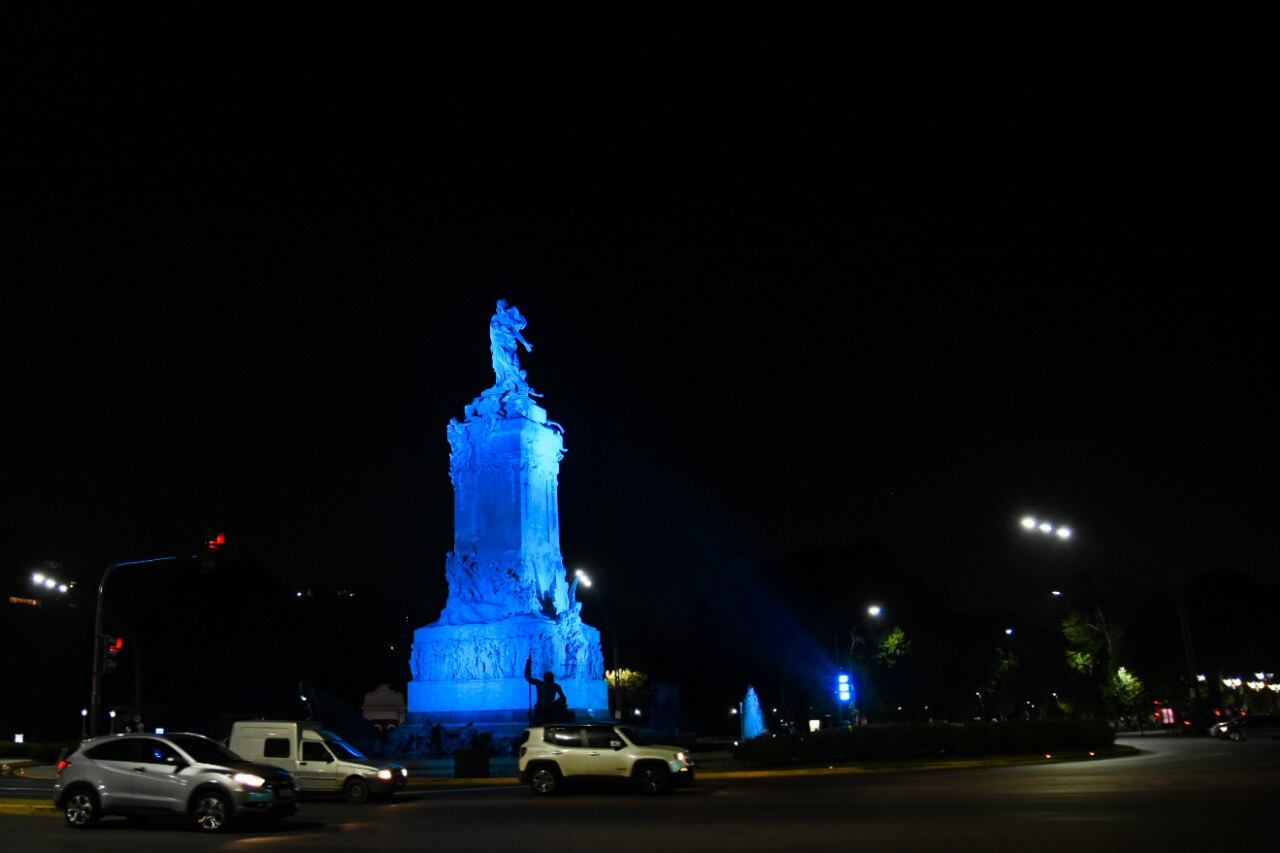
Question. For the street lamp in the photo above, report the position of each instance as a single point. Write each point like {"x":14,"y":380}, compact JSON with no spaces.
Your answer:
{"x":112,"y":715}
{"x":874,"y":610}
{"x":45,"y":581}
{"x":84,"y":713}
{"x":1031,"y":523}
{"x":580,"y":576}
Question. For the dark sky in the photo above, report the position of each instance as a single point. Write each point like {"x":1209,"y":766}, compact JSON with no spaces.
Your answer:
{"x":791,"y":283}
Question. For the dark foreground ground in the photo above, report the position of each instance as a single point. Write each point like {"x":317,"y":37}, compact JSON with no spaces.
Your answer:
{"x":1179,"y":794}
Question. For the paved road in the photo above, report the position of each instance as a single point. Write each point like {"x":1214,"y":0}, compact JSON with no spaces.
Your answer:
{"x":1181,"y":794}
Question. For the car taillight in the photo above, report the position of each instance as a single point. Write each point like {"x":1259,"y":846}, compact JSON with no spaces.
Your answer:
{"x":63,"y":765}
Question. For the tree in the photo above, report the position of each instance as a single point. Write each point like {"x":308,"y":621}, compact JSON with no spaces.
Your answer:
{"x":627,"y":686}
{"x":1095,"y":646}
{"x":893,"y":647}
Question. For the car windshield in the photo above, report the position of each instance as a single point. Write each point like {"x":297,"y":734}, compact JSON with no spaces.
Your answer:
{"x":204,"y":750}
{"x":340,"y":747}
{"x":635,"y":737}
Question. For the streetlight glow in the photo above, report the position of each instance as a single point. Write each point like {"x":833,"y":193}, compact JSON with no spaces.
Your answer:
{"x":1028,"y":523}
{"x":1008,"y":632}
{"x":37,"y":578}
{"x":874,"y":610}
{"x":1064,"y":532}
{"x":1046,"y":527}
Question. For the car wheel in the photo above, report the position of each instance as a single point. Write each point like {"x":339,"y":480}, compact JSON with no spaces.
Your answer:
{"x":356,"y":791}
{"x":81,"y":808}
{"x":211,"y":811}
{"x":545,"y":780}
{"x":652,"y":779}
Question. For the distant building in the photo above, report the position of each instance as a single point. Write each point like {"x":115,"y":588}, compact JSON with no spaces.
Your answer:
{"x":384,"y":707}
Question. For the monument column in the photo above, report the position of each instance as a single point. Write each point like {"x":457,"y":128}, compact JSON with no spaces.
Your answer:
{"x":508,"y":594}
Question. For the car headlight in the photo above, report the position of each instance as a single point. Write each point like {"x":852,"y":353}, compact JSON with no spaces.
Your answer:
{"x":682,"y":758}
{"x":384,"y":774}
{"x":404,"y":772}
{"x":249,"y":780}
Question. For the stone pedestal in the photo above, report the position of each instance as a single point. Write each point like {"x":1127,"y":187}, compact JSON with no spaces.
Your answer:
{"x":475,"y":673}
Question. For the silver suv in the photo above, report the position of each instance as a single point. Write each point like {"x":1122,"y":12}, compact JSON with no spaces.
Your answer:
{"x":550,"y":756}
{"x":142,"y":775}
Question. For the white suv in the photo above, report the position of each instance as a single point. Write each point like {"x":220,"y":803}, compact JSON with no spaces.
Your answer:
{"x":550,"y":756}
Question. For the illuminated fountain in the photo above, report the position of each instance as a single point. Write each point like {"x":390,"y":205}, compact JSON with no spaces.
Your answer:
{"x":752,"y":716}
{"x":508,"y":595}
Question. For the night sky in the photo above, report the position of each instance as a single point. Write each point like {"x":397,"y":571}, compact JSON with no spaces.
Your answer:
{"x":792,"y":285}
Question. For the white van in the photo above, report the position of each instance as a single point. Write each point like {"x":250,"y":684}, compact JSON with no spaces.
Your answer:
{"x":320,"y":761}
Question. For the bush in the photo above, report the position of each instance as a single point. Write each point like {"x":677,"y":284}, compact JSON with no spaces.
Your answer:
{"x":898,"y":742}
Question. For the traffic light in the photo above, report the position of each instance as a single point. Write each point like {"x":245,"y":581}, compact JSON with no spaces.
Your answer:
{"x":211,"y":549}
{"x":111,"y":653}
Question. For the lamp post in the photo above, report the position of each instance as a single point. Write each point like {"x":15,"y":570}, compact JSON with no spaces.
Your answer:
{"x":580,"y":576}
{"x":873,"y":612}
{"x":84,"y":713}
{"x":112,"y":715}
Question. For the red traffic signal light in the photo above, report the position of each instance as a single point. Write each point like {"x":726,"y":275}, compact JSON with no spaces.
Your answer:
{"x":213,"y":543}
{"x":109,"y":653}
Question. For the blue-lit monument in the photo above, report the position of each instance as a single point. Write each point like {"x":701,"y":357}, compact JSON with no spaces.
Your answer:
{"x":508,"y":595}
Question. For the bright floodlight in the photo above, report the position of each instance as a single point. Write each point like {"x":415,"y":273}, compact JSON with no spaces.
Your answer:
{"x":1057,"y":593}
{"x":50,"y":583}
{"x":37,"y":578}
{"x":1046,"y":527}
{"x":874,"y":610}
{"x":1029,"y":523}
{"x":62,"y":587}
{"x":1008,"y":632}
{"x":1064,"y":532}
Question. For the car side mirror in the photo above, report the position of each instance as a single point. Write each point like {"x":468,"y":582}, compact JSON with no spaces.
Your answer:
{"x":616,"y":744}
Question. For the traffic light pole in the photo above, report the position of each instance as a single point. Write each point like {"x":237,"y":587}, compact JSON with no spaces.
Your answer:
{"x":95,"y":687}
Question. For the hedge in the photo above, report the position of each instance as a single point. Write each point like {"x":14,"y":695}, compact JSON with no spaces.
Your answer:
{"x":47,"y":752}
{"x":897,"y":742}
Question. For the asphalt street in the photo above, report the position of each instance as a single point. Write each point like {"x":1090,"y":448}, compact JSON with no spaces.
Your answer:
{"x":1178,"y":794}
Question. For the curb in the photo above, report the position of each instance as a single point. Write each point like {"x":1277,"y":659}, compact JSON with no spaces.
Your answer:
{"x":28,"y":807}
{"x":920,"y":766}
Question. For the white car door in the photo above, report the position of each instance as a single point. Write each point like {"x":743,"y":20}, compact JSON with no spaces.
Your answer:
{"x":156,"y":781}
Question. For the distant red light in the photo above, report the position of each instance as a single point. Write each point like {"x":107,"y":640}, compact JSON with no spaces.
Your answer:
{"x":217,"y":542}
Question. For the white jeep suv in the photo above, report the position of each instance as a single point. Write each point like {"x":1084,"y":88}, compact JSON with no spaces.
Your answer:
{"x":551,"y":756}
